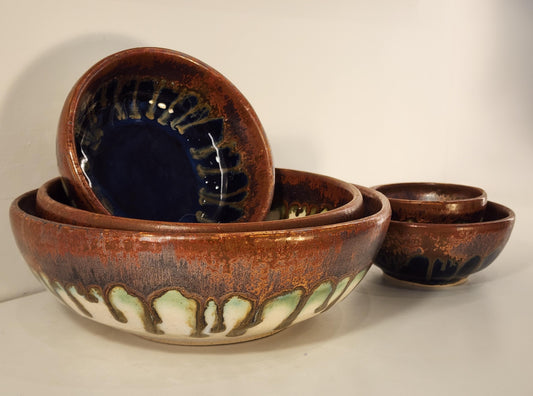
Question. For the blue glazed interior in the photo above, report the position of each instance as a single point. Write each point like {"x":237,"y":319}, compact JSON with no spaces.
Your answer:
{"x":151,"y":151}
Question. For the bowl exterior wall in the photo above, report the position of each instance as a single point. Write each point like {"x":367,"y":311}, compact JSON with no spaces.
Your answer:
{"x":430,"y":212}
{"x":198,"y":289}
{"x":441,"y":255}
{"x":435,"y":202}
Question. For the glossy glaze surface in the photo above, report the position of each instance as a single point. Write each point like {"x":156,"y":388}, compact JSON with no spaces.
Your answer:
{"x":301,"y":199}
{"x":435,"y":202}
{"x":442,"y":254}
{"x":200,"y":288}
{"x":175,"y":317}
{"x":155,"y":134}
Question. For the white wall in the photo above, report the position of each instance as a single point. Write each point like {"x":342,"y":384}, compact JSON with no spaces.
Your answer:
{"x":367,"y":91}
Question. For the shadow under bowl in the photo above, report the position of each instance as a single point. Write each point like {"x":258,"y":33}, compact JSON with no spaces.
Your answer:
{"x":156,"y":134}
{"x":200,"y":288}
{"x":444,"y":254}
{"x":301,"y":199}
{"x":435,"y":202}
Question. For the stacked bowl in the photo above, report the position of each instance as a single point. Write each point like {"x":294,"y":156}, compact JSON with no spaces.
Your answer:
{"x":169,"y":220}
{"x":441,"y":233}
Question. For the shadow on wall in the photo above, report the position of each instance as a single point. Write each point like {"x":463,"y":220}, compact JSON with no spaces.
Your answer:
{"x":33,"y":103}
{"x":28,"y":121}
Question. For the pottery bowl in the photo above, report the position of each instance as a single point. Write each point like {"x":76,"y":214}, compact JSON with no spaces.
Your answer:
{"x":200,"y":288}
{"x":444,"y":254}
{"x":435,"y":202}
{"x":156,"y":134}
{"x":301,"y":199}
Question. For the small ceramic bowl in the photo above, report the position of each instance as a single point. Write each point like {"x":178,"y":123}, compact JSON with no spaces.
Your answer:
{"x":301,"y":199}
{"x":435,"y":202}
{"x":444,"y":254}
{"x":200,"y":288}
{"x":151,"y":133}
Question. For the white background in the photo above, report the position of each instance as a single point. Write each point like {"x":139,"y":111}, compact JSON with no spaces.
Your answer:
{"x":367,"y":91}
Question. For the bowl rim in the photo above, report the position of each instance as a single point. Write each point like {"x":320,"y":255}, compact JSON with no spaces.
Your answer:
{"x":350,"y":210}
{"x":508,"y":217}
{"x":381,"y":214}
{"x":257,"y":205}
{"x":481,"y":193}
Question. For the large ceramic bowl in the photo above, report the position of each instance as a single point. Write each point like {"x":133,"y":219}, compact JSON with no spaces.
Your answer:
{"x":201,"y":288}
{"x":444,"y":254}
{"x":151,"y":133}
{"x":435,"y":202}
{"x":301,"y":199}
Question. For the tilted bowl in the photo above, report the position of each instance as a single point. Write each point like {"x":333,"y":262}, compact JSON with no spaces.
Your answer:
{"x":200,"y":288}
{"x":301,"y":199}
{"x":156,"y":134}
{"x":444,"y":254}
{"x":435,"y":202}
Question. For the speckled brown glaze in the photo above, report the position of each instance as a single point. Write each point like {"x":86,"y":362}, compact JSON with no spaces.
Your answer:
{"x":301,"y":199}
{"x":243,"y":133}
{"x":435,"y":202}
{"x":439,"y":254}
{"x":278,"y":273}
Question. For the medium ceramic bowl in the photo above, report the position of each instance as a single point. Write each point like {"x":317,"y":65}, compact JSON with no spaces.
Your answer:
{"x":200,"y":288}
{"x":444,"y":254}
{"x":151,"y":133}
{"x":301,"y":199}
{"x":435,"y":202}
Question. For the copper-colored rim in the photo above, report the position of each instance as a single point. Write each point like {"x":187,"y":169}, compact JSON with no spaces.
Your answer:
{"x":349,"y":211}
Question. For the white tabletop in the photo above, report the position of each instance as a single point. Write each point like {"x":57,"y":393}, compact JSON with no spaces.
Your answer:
{"x":472,"y":339}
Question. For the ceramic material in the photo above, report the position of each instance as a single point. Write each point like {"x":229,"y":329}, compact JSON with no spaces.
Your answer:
{"x":200,"y":288}
{"x":435,"y":202}
{"x":151,"y":133}
{"x":301,"y":199}
{"x":444,"y":254}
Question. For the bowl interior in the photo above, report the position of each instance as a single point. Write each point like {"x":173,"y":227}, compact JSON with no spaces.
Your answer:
{"x":158,"y":135}
{"x":300,"y":194}
{"x":157,"y":159}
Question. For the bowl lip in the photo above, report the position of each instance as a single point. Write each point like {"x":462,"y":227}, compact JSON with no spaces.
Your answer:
{"x":481,"y":194}
{"x":350,"y":210}
{"x":380,"y":216}
{"x":70,"y":162}
{"x":508,"y":218}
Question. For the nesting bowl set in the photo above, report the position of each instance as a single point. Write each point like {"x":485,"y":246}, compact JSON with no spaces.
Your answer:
{"x":169,"y":220}
{"x":441,"y":233}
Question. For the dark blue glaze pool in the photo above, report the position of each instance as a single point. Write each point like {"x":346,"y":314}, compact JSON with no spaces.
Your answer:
{"x":155,"y":152}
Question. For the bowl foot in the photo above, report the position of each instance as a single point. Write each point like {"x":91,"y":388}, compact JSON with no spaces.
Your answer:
{"x":417,"y":285}
{"x":190,"y":341}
